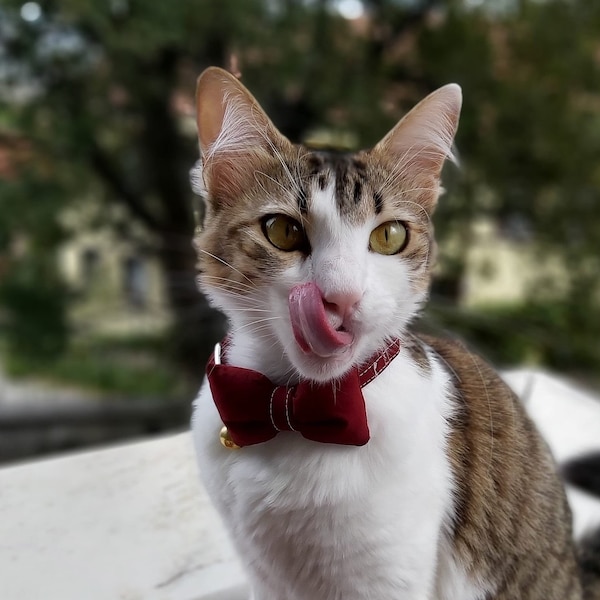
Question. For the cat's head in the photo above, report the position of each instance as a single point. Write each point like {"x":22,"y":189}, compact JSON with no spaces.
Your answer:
{"x":324,"y":256}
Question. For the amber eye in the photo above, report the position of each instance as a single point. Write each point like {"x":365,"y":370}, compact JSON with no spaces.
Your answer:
{"x":389,"y":238}
{"x":284,"y":233}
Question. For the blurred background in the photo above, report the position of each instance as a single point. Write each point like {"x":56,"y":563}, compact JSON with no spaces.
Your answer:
{"x":102,"y":332}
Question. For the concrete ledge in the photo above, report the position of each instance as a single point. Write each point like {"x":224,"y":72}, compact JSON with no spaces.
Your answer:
{"x":133,"y":523}
{"x":129,"y":522}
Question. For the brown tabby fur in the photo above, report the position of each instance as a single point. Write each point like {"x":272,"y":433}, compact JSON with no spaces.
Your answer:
{"x":513,"y":524}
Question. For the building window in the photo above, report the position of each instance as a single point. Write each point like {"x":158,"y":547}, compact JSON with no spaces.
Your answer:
{"x":90,"y":263}
{"x":135,"y":284}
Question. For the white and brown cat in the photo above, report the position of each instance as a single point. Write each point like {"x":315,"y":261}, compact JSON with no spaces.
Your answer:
{"x":426,"y":480}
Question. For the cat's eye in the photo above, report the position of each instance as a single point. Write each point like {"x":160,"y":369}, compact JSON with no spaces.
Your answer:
{"x":284,"y":233}
{"x":389,"y":238}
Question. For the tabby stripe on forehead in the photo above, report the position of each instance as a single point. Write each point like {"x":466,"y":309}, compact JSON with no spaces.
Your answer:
{"x":302,"y":201}
{"x":341,"y":181}
{"x":357,"y":191}
{"x":315,"y":163}
{"x":360,"y":167}
{"x":361,"y":178}
{"x":322,"y":181}
{"x":378,"y":199}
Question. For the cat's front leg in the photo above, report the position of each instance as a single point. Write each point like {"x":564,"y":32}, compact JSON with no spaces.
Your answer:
{"x":262,"y":593}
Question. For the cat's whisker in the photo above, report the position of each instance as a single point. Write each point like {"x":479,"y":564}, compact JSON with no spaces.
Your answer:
{"x":405,"y":160}
{"x":243,"y":310}
{"x":420,"y":209}
{"x":272,"y":179}
{"x":418,"y":189}
{"x":260,"y":130}
{"x":286,"y":170}
{"x":401,"y":175}
{"x":290,"y":206}
{"x":226,"y":264}
{"x":239,"y":285}
{"x":259,"y":322}
{"x":242,"y":297}
{"x":245,"y":303}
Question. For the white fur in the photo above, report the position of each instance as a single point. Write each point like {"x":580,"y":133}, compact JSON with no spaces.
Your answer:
{"x":197,"y":179}
{"x":325,"y":522}
{"x":241,"y":129}
{"x":453,"y":583}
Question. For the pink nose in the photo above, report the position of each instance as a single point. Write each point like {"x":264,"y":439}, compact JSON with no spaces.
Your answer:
{"x":344,"y":303}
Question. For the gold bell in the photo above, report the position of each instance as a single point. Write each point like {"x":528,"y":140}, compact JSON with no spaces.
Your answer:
{"x":226,"y":440}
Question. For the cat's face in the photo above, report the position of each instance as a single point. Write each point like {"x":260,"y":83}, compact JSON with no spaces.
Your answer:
{"x":325,"y":255}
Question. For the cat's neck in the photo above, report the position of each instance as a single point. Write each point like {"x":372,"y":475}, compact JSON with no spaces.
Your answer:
{"x":264,"y":354}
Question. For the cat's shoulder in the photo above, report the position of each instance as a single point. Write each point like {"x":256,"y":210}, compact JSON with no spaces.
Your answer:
{"x":474,"y":381}
{"x":465,"y":366}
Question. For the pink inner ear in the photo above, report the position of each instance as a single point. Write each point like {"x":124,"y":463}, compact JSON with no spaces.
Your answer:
{"x":234,"y":133}
{"x":211,"y":109}
{"x":210,"y":119}
{"x":422,"y":140}
{"x":312,"y":330}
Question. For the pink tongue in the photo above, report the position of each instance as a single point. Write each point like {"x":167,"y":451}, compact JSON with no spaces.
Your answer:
{"x":312,"y":330}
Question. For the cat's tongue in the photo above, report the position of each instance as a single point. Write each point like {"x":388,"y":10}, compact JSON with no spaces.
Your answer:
{"x":312,"y":330}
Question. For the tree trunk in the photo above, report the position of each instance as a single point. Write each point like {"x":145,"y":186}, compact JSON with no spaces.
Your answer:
{"x":196,"y":326}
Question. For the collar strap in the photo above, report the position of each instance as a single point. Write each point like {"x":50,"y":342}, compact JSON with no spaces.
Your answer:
{"x":367,"y":371}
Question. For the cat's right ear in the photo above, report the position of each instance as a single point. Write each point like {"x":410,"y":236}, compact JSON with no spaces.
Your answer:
{"x":234,"y":132}
{"x":420,"y":143}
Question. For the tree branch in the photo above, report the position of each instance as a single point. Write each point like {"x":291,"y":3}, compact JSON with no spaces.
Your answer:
{"x":106,"y":170}
{"x":384,"y":33}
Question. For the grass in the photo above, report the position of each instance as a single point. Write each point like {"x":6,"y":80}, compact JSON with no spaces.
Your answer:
{"x":135,"y":366}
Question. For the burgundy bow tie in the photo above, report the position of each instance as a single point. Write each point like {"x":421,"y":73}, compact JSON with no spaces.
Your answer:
{"x":255,"y":410}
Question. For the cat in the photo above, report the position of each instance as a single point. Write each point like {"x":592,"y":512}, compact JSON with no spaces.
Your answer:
{"x":434,"y":484}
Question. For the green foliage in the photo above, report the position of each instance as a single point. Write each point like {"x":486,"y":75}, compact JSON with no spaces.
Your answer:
{"x":535,"y":333}
{"x":530,"y":129}
{"x":33,"y":299}
{"x":134,"y":366}
{"x":107,"y":125}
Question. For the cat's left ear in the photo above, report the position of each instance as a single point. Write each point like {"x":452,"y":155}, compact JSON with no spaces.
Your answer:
{"x":420,"y":143}
{"x":235,"y":135}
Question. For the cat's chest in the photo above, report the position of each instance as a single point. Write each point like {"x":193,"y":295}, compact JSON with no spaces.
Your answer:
{"x":330,"y":508}
{"x":408,"y":411}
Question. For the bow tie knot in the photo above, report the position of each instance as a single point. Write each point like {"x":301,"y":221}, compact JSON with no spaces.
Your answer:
{"x":281,"y":407}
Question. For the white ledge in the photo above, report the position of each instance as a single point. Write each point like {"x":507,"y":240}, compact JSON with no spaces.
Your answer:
{"x":129,"y":522}
{"x":133,"y":523}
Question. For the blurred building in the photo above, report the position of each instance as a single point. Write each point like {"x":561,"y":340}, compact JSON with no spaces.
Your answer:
{"x":502,"y":265}
{"x":116,"y":278}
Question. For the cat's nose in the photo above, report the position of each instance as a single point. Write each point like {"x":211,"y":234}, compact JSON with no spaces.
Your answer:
{"x":344,"y":303}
